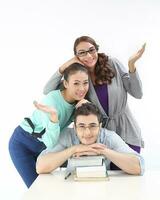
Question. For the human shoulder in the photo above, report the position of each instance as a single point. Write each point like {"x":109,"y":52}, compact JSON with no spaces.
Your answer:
{"x":52,"y":97}
{"x":54,"y":93}
{"x":109,"y":137}
{"x":108,"y":133}
{"x":117,"y":65}
{"x":64,"y":142}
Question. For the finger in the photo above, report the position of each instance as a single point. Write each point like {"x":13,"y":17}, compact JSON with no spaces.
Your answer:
{"x":98,"y":145}
{"x":144,"y":45}
{"x":35,"y":102}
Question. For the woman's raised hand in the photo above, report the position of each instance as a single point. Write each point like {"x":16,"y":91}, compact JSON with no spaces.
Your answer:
{"x":52,"y":111}
{"x":134,"y":58}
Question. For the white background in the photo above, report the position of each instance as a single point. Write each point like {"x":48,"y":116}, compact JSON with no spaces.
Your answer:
{"x":36,"y":37}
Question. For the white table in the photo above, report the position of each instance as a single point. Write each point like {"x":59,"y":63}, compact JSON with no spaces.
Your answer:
{"x":120,"y":186}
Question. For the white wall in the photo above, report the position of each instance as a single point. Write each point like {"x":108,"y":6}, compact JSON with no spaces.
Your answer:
{"x":36,"y":37}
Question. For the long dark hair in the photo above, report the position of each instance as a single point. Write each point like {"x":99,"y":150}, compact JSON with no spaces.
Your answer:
{"x":103,"y":71}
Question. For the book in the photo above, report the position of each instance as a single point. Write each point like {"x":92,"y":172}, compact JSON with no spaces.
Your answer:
{"x":91,"y":171}
{"x":88,"y":168}
{"x":86,"y":161}
{"x":90,"y":178}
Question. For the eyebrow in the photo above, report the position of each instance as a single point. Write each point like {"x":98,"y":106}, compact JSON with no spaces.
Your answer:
{"x":81,"y":123}
{"x":80,"y":81}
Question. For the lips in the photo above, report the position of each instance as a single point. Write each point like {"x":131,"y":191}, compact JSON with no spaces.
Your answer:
{"x":90,"y":62}
{"x":81,"y":94}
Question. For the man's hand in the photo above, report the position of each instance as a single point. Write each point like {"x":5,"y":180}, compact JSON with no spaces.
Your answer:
{"x":92,"y":149}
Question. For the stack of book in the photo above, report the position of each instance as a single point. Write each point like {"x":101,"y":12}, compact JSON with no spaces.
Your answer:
{"x":88,"y":168}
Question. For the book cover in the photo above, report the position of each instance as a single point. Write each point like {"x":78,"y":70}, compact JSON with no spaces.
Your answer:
{"x":86,"y":161}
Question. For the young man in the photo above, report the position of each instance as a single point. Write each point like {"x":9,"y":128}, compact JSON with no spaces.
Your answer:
{"x":88,"y":138}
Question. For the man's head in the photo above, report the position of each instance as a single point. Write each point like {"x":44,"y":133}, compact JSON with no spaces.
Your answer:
{"x":87,"y":123}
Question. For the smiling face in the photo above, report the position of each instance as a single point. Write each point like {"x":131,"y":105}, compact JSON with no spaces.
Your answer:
{"x":76,"y":86}
{"x":87,"y":128}
{"x":91,"y":57}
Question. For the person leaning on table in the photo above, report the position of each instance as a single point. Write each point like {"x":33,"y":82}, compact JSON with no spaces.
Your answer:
{"x":88,"y":138}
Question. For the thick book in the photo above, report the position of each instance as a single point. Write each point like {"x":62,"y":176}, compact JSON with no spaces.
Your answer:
{"x":91,"y":171}
{"x":86,"y":161}
{"x":76,"y":178}
{"x":94,"y":173}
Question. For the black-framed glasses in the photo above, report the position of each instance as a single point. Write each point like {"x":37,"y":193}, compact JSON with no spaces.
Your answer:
{"x":92,"y":127}
{"x":82,"y":53}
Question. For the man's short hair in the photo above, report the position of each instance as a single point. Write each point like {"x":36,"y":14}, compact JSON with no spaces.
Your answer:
{"x":87,"y":109}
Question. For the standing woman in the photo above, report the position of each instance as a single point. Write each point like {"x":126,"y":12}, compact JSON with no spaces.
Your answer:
{"x":43,"y":128}
{"x":109,"y":86}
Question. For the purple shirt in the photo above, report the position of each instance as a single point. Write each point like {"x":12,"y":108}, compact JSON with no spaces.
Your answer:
{"x":102,"y":94}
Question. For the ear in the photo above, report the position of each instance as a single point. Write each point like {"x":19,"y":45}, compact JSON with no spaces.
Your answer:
{"x":65,"y":83}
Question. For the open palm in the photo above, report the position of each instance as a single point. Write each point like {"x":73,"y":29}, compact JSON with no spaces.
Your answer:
{"x":47,"y":109}
{"x":137,"y":55}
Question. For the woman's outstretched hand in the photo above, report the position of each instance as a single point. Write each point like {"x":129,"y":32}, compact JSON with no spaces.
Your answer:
{"x":52,"y":111}
{"x":134,"y":58}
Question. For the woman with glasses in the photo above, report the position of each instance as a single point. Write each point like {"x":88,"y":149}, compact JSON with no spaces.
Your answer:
{"x":42,"y":129}
{"x":109,"y":87}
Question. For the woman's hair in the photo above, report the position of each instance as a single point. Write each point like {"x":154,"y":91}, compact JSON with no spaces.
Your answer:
{"x":103,"y":71}
{"x":87,"y":109}
{"x":73,"y":69}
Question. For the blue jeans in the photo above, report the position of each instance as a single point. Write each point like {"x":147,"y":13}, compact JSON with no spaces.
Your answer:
{"x":24,"y":150}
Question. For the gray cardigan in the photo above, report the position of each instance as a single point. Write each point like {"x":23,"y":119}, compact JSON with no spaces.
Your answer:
{"x":120,"y":118}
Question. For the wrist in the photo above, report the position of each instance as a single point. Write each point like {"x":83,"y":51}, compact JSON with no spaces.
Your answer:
{"x":54,"y":118}
{"x":61,"y":71}
{"x":73,"y":150}
{"x":132,"y":67}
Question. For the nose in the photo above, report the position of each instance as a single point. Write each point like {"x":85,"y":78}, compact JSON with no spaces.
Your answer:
{"x":88,"y":55}
{"x":87,"y":132}
{"x":81,"y":87}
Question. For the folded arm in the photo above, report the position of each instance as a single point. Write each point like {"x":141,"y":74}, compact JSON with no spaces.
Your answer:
{"x":49,"y":160}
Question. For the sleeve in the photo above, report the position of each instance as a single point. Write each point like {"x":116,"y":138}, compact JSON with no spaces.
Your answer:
{"x":51,"y":135}
{"x":117,"y":144}
{"x":131,"y":81}
{"x":53,"y":83}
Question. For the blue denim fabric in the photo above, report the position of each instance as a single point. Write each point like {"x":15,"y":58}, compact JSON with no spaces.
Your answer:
{"x":24,"y":150}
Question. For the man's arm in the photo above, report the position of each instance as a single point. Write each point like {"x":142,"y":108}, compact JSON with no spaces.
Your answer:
{"x":129,"y":163}
{"x":49,"y":160}
{"x":121,"y":154}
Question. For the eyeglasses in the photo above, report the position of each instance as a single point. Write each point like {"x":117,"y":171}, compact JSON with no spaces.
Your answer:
{"x":82,"y":53}
{"x":90,"y":127}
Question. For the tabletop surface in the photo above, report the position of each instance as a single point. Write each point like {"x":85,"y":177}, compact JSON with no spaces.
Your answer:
{"x":119,"y":186}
